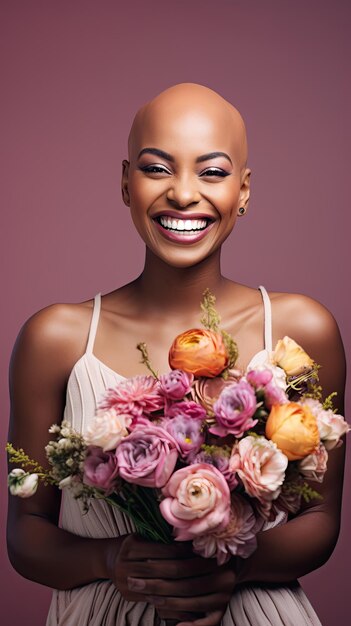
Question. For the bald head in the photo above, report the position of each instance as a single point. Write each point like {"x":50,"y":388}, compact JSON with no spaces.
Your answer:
{"x":186,"y":110}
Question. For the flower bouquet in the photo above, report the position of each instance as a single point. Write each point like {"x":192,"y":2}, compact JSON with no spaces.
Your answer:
{"x":204,"y":453}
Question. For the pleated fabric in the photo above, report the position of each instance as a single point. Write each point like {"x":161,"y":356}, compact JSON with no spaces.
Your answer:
{"x":100,"y":603}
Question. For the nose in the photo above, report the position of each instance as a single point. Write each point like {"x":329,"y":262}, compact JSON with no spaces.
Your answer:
{"x":183,"y":191}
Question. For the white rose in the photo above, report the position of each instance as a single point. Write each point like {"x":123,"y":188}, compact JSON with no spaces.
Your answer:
{"x":107,"y":429}
{"x":331,"y":426}
{"x":22,"y":483}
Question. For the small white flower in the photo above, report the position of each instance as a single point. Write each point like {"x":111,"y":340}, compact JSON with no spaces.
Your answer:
{"x":65,"y":482}
{"x":22,"y":484}
{"x":54,"y":429}
{"x":64,"y":443}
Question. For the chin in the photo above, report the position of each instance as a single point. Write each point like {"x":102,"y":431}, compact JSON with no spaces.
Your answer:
{"x":183,"y":259}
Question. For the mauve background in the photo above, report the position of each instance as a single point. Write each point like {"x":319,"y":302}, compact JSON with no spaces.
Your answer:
{"x":73,"y":75}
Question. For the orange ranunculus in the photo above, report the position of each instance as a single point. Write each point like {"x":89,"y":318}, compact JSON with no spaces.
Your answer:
{"x":291,"y":357}
{"x":294,"y":429}
{"x":200,"y":352}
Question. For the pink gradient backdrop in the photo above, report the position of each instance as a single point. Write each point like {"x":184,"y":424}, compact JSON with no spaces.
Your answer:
{"x":73,"y":75}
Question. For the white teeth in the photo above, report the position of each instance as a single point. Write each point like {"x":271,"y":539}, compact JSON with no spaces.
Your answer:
{"x":182,"y":225}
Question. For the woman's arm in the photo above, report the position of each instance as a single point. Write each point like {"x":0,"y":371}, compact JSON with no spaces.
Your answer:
{"x":44,"y":353}
{"x":307,"y":541}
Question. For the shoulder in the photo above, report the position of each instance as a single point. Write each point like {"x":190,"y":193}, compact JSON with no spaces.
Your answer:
{"x":304,"y":316}
{"x":56,"y":334}
{"x":315,"y":328}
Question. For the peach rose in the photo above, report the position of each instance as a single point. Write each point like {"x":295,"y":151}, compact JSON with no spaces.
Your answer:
{"x":291,"y":357}
{"x":200,"y":352}
{"x":294,"y":429}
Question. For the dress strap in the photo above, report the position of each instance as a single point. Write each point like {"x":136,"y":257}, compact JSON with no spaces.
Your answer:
{"x":268,"y":342}
{"x":94,"y":323}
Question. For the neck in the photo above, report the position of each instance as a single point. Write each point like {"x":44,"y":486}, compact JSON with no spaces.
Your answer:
{"x":169,"y":288}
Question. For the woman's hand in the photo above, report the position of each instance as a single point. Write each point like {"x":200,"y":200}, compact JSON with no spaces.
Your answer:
{"x":180,"y":584}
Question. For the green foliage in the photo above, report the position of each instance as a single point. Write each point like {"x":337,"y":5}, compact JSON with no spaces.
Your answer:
{"x":210,"y":318}
{"x":216,"y":450}
{"x":304,"y":489}
{"x":328,"y":403}
{"x":231,"y":348}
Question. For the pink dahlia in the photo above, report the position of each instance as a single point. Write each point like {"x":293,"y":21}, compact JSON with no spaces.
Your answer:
{"x":135,"y":396}
{"x":238,"y":538}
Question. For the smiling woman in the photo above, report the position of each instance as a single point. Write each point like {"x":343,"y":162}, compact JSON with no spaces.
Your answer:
{"x":173,"y":179}
{"x":186,"y":181}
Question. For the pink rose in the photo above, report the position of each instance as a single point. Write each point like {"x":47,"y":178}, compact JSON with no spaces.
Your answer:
{"x":274,"y":395}
{"x":100,"y":469}
{"x":271,"y":381}
{"x":189,"y":409}
{"x":260,"y":465}
{"x":147,"y":456}
{"x":187,"y":433}
{"x":237,"y":539}
{"x":259,"y":377}
{"x":314,"y":465}
{"x":197,"y":500}
{"x":234,"y":410}
{"x":176,"y":384}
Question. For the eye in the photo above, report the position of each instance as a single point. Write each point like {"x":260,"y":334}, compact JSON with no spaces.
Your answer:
{"x":154,"y":169}
{"x":214,"y":171}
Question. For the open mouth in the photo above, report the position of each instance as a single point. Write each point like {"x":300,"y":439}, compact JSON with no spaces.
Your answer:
{"x":183,"y":227}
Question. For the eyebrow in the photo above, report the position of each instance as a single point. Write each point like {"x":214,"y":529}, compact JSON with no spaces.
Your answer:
{"x":169,"y":157}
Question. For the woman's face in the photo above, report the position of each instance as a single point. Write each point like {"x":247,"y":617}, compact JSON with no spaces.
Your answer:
{"x":185,"y":181}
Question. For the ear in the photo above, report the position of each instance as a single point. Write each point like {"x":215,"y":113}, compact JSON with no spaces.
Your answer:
{"x":244,"y":189}
{"x":124,"y":182}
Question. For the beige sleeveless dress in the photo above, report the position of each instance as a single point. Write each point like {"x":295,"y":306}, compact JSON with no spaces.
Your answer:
{"x":100,"y":603}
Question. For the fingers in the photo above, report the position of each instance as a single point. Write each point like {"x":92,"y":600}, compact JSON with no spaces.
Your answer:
{"x":184,"y":587}
{"x":174,"y":568}
{"x":212,"y":619}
